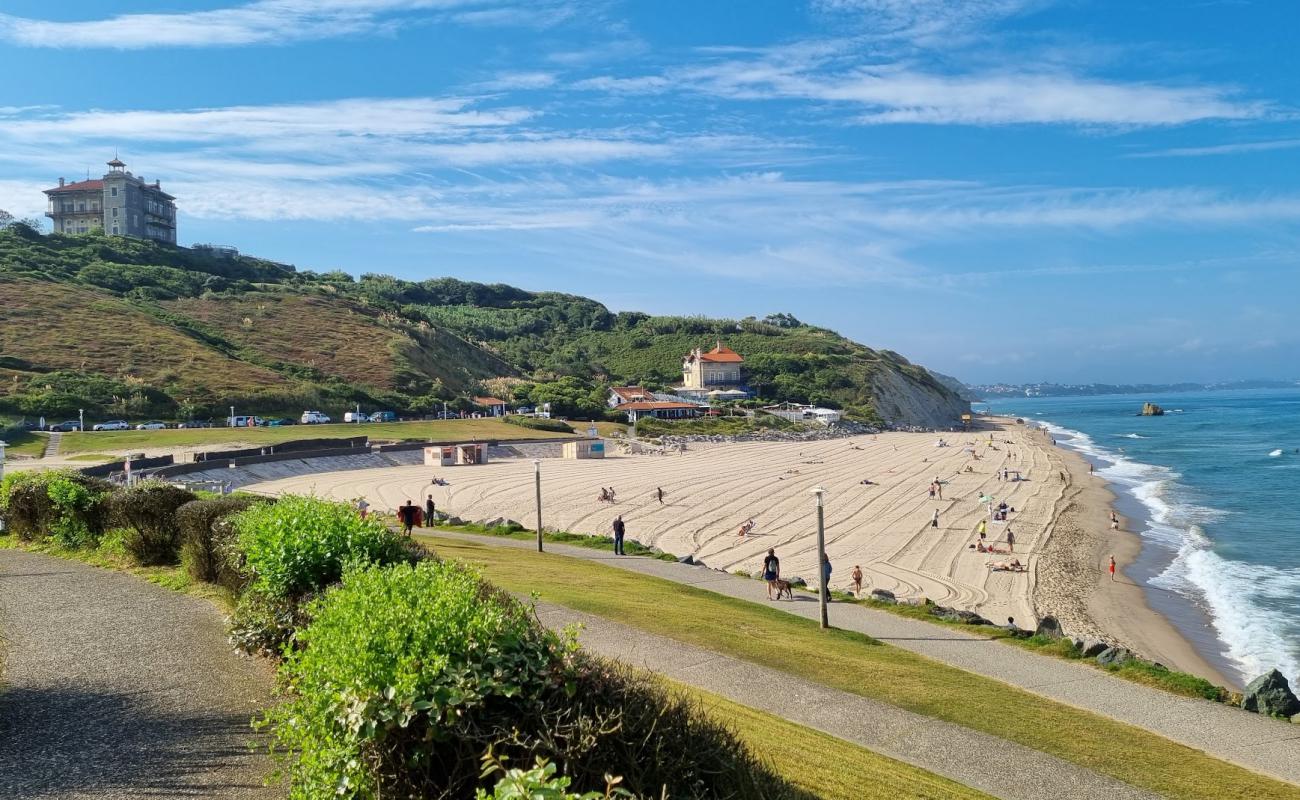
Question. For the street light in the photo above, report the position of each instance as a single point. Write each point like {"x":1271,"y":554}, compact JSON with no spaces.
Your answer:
{"x":537,"y":480}
{"x":823,"y":592}
{"x":231,"y":424}
{"x":81,"y":420}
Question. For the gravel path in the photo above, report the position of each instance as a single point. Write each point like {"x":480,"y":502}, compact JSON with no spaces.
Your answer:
{"x":1268,"y":746}
{"x":979,"y":760}
{"x":112,"y":687}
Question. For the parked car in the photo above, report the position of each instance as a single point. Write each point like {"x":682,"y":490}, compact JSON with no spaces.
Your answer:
{"x":70,"y":426}
{"x":111,"y":425}
{"x":314,"y":418}
{"x":196,"y":423}
{"x":523,"y":411}
{"x":383,"y":416}
{"x":242,"y":421}
{"x":280,"y":422}
{"x":151,"y":425}
{"x":356,"y":416}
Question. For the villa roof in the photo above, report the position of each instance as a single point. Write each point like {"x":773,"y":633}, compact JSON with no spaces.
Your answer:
{"x":488,"y":401}
{"x":80,"y":186}
{"x":722,"y":354}
{"x":657,"y":405}
{"x":631,"y":393}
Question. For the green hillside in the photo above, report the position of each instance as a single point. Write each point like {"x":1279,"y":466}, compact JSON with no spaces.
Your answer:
{"x":124,"y":327}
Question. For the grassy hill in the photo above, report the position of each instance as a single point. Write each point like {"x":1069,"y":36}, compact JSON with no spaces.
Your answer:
{"x":132,"y":328}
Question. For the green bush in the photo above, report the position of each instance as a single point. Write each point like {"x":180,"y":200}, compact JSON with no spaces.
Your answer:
{"x":64,"y":504}
{"x":408,"y":675}
{"x":148,"y":511}
{"x":265,"y":626}
{"x":208,"y":550}
{"x":540,"y":423}
{"x":301,"y":544}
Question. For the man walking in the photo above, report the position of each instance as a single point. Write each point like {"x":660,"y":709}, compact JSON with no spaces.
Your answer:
{"x":826,"y":578}
{"x":660,"y":494}
{"x":934,"y":521}
{"x":771,"y":571}
{"x":619,"y":529}
{"x":430,"y":508}
{"x":406,"y":514}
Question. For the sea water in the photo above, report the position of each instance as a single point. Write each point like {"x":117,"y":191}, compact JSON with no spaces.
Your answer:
{"x":1214,"y":483}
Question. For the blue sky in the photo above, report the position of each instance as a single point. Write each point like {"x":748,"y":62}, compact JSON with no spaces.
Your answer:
{"x":1002,"y":190}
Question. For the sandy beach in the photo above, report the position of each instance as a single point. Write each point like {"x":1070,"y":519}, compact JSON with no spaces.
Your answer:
{"x":1060,"y":526}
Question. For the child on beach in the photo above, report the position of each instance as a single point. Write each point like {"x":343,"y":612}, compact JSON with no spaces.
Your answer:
{"x":1112,"y":569}
{"x":1114,"y":521}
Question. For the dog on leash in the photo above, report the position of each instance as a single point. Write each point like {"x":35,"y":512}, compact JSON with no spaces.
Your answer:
{"x":783,"y":587}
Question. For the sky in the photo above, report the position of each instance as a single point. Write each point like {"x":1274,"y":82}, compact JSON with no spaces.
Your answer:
{"x":1001,"y":190}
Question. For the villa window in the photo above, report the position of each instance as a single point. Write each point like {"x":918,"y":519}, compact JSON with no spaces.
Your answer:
{"x":113,"y":191}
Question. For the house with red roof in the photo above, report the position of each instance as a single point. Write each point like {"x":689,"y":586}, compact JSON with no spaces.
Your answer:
{"x":717,"y":373}
{"x":495,"y":407}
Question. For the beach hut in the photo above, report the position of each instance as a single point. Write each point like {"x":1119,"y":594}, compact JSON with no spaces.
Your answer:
{"x":456,"y":455}
{"x":585,"y":448}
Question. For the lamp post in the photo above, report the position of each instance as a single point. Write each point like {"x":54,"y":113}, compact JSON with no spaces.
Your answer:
{"x":537,"y":481}
{"x":81,"y":420}
{"x":822,"y":591}
{"x":231,"y":423}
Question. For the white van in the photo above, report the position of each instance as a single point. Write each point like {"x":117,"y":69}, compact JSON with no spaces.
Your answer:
{"x":242,"y":421}
{"x":314,"y":418}
{"x":356,"y":416}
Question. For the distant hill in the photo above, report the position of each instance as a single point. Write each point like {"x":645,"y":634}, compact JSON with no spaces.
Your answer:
{"x":125,"y":327}
{"x":1090,"y":389}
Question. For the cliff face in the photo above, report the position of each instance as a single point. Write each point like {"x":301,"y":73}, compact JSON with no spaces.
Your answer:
{"x":903,"y":400}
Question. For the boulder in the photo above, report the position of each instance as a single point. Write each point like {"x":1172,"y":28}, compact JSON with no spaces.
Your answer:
{"x":510,"y":523}
{"x":455,"y":521}
{"x":1049,"y":628}
{"x":1114,"y":656}
{"x":686,"y":559}
{"x":1091,"y":648}
{"x":1270,"y":694}
{"x":883,"y":596}
{"x":971,"y":618}
{"x":1152,"y":410}
{"x":495,"y":522}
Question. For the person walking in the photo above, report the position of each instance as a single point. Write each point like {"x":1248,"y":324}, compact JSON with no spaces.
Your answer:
{"x":934,"y":521}
{"x":938,"y":488}
{"x":856,"y":577}
{"x":771,"y":571}
{"x":931,"y":491}
{"x":406,"y":514}
{"x":659,"y":493}
{"x":430,"y":508}
{"x":826,"y":578}
{"x":1114,"y":520}
{"x":619,"y":530}
{"x":363,"y":507}
{"x":1011,"y":541}
{"x":982,"y":528}
{"x":1112,"y":569}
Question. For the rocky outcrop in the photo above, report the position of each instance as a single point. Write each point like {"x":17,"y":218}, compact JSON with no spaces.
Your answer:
{"x":904,"y":400}
{"x":1114,"y":656}
{"x":1151,"y":410}
{"x":1270,"y":694}
{"x":883,"y":596}
{"x":1049,"y":628}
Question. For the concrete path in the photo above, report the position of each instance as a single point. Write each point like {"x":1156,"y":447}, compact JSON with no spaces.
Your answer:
{"x":1264,"y":745}
{"x":111,"y":687}
{"x":975,"y":759}
{"x":53,"y":444}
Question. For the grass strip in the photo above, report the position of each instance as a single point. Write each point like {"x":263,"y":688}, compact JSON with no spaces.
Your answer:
{"x":26,"y":443}
{"x":825,"y":766}
{"x":855,"y":663}
{"x":459,"y":430}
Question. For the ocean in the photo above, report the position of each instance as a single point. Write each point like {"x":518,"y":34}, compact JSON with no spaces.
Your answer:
{"x":1209,"y":488}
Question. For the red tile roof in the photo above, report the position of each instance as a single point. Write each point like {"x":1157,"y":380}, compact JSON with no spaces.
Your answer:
{"x":723,"y":354}
{"x":656,"y":406}
{"x":79,"y":186}
{"x":631,"y":393}
{"x":488,"y":401}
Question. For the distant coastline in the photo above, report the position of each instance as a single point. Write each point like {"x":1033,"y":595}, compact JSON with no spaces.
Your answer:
{"x":983,"y":392}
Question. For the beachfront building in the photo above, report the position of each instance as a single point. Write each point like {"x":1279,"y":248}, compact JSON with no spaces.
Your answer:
{"x":618,"y":395}
{"x":715,"y":375}
{"x":802,"y":413}
{"x":495,"y":407}
{"x":661,"y":409}
{"x":119,"y":203}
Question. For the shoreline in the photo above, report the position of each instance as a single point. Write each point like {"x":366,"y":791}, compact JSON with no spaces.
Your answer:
{"x":1072,"y":582}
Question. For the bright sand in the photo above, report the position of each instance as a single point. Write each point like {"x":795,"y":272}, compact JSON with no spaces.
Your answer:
{"x":885,"y":527}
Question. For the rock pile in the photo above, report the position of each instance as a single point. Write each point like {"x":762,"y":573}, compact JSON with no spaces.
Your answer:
{"x":1151,"y":410}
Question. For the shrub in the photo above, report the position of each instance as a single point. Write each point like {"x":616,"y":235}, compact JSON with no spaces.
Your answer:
{"x":64,"y":504}
{"x":266,"y":626}
{"x":410,"y":674}
{"x":148,"y":512}
{"x":540,"y":424}
{"x":208,"y":550}
{"x":301,"y":544}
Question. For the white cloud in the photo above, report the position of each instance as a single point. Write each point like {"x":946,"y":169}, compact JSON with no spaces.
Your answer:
{"x":924,"y":22}
{"x":1221,"y":149}
{"x":269,"y":22}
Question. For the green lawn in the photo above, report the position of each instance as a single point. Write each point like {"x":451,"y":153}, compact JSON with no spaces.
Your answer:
{"x":26,"y":444}
{"x":461,"y":430}
{"x":854,"y":663}
{"x":827,"y":767}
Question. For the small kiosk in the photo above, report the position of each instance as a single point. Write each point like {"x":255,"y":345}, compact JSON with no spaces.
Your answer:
{"x":455,"y":455}
{"x":585,"y":448}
